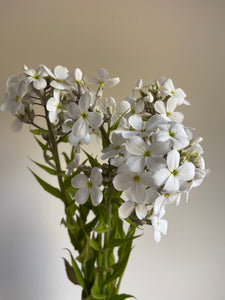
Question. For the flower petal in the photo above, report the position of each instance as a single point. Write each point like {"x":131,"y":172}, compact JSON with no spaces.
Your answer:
{"x":126,"y":209}
{"x":85,"y":101}
{"x":39,"y":84}
{"x":61,"y":73}
{"x":95,"y":119}
{"x":79,"y":181}
{"x":96,"y":195}
{"x":186,"y":171}
{"x":96,"y":176}
{"x":160,"y":107}
{"x":82,"y":195}
{"x":80,"y":128}
{"x":171,"y":185}
{"x":102,"y":74}
{"x":173,"y":159}
{"x":122,"y":181}
{"x":112,"y":82}
{"x":141,"y":211}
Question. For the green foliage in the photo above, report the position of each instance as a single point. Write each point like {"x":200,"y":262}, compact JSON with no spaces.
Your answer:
{"x":47,"y":169}
{"x":47,"y":187}
{"x":121,"y":297}
{"x":93,"y":161}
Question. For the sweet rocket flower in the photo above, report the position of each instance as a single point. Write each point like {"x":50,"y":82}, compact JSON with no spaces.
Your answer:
{"x":174,"y":133}
{"x":178,"y":95}
{"x":88,"y":187}
{"x":115,"y":148}
{"x":14,"y":98}
{"x":102,"y":79}
{"x":160,"y":226}
{"x":167,"y":110}
{"x":137,"y":203}
{"x":53,"y":106}
{"x":173,"y":175}
{"x":133,"y":181}
{"x":84,"y":118}
{"x":36,"y":77}
{"x":141,"y":154}
{"x":113,"y":110}
{"x":60,"y":76}
{"x":144,"y":128}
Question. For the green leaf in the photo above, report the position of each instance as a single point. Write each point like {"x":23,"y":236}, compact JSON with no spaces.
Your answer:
{"x":101,"y":228}
{"x":121,"y":297}
{"x":86,"y":254}
{"x":73,"y":273}
{"x":77,"y":273}
{"x":66,"y":157}
{"x":70,"y":272}
{"x":95,"y":245}
{"x":36,"y":131}
{"x":96,"y":288}
{"x":96,"y":294}
{"x":118,"y":242}
{"x":47,"y":169}
{"x":93,"y":161}
{"x":43,"y":146}
{"x":47,"y":187}
{"x":116,"y":124}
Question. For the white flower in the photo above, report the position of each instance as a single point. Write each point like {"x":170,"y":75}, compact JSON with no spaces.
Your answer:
{"x":102,"y":79}
{"x":167,"y":110}
{"x":174,"y":175}
{"x":53,"y":106}
{"x":60,"y":76}
{"x":136,"y":106}
{"x":133,"y":181}
{"x":115,"y":148}
{"x":141,"y":154}
{"x":114,"y":110}
{"x":14,"y":98}
{"x":160,"y":226}
{"x":178,"y":95}
{"x":143,"y":128}
{"x":174,"y":133}
{"x":84,"y":117}
{"x":88,"y":187}
{"x":136,"y":202}
{"x":37,"y":77}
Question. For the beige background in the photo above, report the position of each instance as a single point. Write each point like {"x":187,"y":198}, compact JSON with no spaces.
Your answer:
{"x":183,"y":40}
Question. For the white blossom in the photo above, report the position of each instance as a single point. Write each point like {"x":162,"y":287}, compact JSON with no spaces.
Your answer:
{"x":160,"y":226}
{"x":173,"y":133}
{"x":84,"y":117}
{"x":173,"y":175}
{"x":167,"y":110}
{"x":177,"y":95}
{"x":37,"y":77}
{"x":102,"y":79}
{"x":88,"y":187}
{"x":53,"y":106}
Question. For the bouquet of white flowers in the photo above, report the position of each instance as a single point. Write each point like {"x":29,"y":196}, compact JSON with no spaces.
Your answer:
{"x":148,"y":160}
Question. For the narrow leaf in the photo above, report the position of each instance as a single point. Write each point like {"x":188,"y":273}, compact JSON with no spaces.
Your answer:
{"x":70,"y":272}
{"x":93,"y":161}
{"x":47,"y":187}
{"x":47,"y":169}
{"x":43,"y":146}
{"x":77,"y":271}
{"x":121,"y":297}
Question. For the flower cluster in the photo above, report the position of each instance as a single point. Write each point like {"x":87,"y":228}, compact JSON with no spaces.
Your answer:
{"x":151,"y":156}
